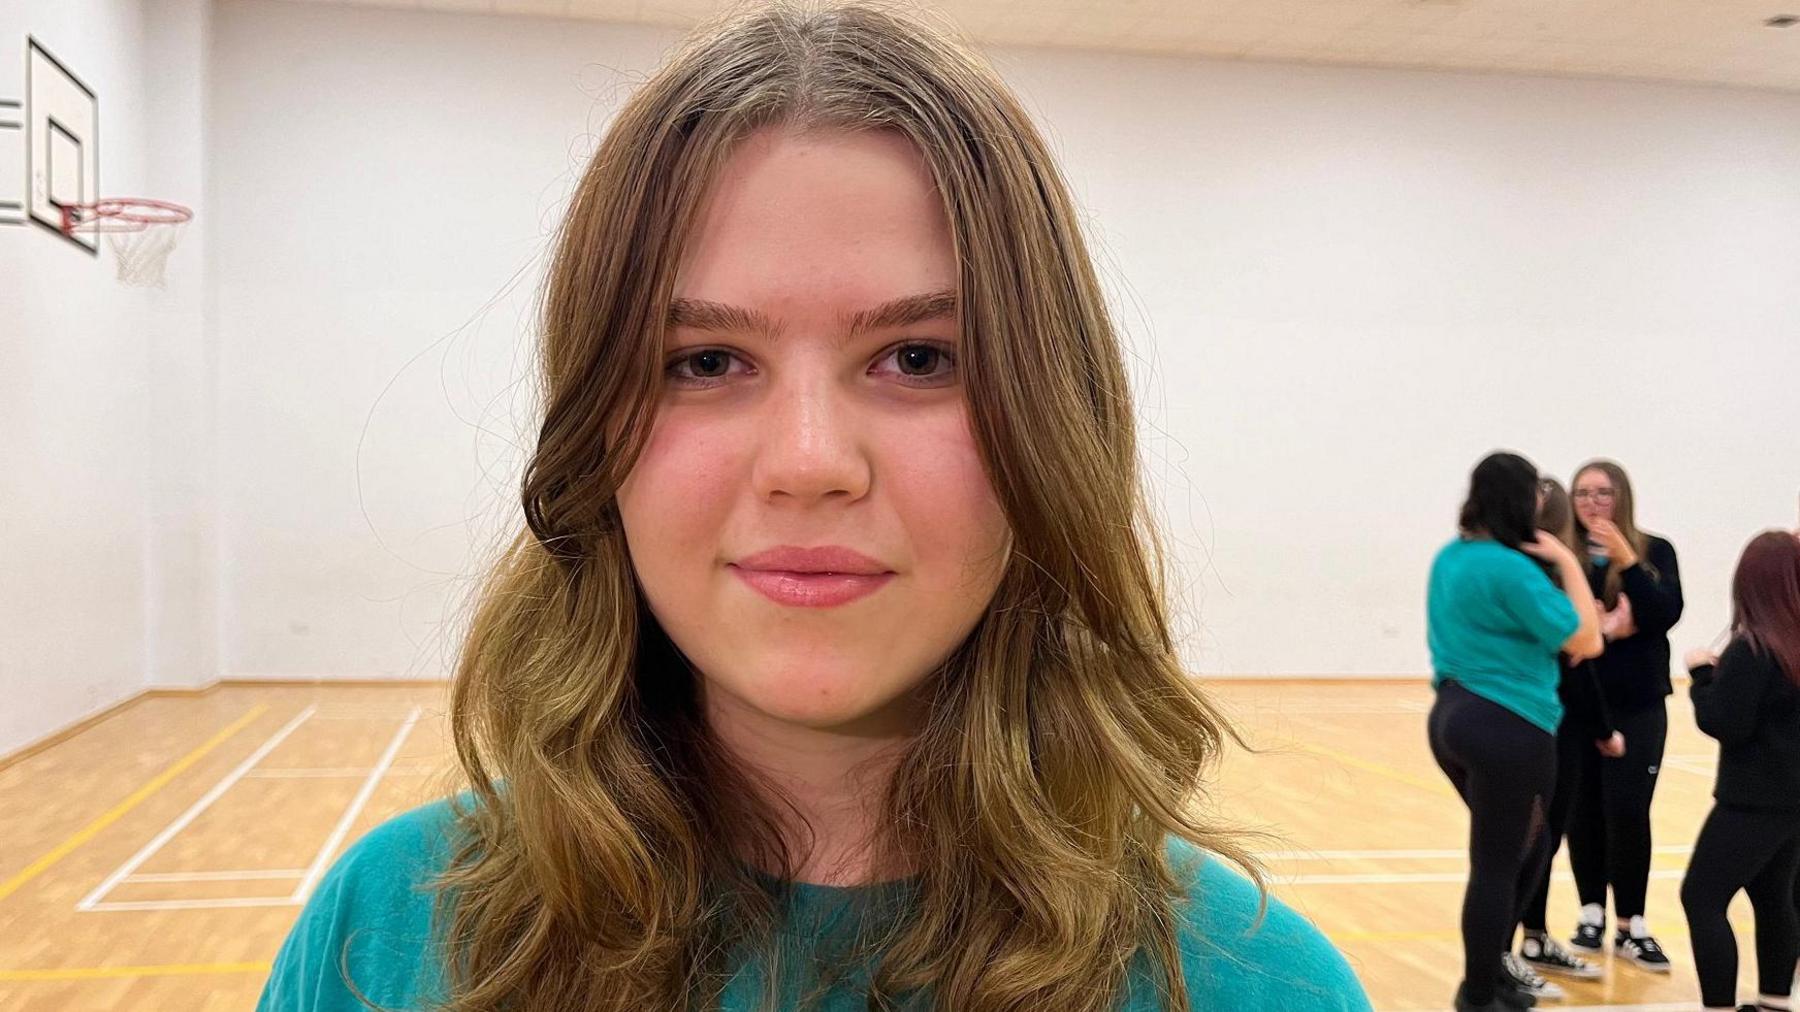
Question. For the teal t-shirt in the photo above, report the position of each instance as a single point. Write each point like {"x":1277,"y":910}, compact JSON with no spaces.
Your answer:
{"x":1497,"y":624}
{"x":378,"y":897}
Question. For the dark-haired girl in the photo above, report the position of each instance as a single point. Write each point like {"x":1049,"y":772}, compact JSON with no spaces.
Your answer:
{"x":1496,"y":625}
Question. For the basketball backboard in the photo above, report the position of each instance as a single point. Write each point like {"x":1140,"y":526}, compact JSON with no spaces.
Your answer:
{"x":62,"y":143}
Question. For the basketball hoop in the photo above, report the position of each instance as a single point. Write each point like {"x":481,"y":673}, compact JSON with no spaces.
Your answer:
{"x":142,"y":233}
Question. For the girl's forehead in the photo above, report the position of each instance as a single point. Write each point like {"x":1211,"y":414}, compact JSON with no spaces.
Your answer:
{"x":838,"y":221}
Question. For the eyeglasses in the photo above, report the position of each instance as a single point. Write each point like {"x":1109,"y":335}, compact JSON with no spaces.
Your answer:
{"x":1596,"y":494}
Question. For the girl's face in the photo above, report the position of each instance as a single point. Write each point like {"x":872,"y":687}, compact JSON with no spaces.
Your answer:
{"x":1594,"y":495}
{"x":811,"y":400}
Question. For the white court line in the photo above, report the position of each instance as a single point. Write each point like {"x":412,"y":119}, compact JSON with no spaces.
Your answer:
{"x":1404,"y":855}
{"x":215,"y":876}
{"x":1397,"y":878}
{"x":337,"y":772}
{"x":317,"y":869}
{"x":320,"y":772}
{"x":206,"y":801}
{"x":1662,"y":1007}
{"x":223,"y":901}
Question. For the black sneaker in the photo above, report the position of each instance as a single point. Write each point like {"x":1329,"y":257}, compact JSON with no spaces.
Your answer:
{"x":1642,"y":951}
{"x":1588,"y":936}
{"x":1524,"y":979}
{"x":1547,"y":956}
{"x":1511,"y":994}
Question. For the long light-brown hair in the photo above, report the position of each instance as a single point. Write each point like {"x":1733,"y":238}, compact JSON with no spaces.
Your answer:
{"x":606,"y":858}
{"x":1557,"y":514}
{"x":1624,"y":518}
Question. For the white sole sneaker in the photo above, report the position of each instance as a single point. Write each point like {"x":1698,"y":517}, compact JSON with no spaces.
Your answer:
{"x":1589,"y":971}
{"x":1629,"y":952}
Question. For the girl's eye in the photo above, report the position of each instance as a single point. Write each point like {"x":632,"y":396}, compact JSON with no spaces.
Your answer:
{"x":917,"y":362}
{"x":705,"y":367}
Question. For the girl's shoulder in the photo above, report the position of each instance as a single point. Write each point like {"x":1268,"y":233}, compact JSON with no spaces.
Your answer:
{"x":1244,"y":950}
{"x":1746,"y":654}
{"x":371,"y":918}
{"x":367,"y":927}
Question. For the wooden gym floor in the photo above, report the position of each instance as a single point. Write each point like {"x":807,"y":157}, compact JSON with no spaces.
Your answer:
{"x":155,"y":859}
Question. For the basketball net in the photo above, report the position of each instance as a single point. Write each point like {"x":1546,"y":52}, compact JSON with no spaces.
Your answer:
{"x":141,"y":232}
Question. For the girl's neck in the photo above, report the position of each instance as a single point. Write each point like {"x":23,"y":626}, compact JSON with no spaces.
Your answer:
{"x":827,"y":786}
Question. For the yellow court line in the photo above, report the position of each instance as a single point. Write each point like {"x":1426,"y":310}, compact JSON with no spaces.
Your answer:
{"x":156,"y":783}
{"x":1357,"y":762}
{"x":109,"y":972}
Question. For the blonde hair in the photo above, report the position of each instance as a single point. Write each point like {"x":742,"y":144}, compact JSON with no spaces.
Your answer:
{"x":1624,"y":517}
{"x":605,"y":860}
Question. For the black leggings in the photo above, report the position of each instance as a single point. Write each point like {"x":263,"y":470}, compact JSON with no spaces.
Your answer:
{"x":1756,"y":850}
{"x":1505,"y":768}
{"x":1570,"y":743}
{"x":1609,"y":825}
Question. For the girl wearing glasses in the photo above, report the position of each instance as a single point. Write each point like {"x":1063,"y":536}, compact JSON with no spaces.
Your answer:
{"x":1635,"y":577}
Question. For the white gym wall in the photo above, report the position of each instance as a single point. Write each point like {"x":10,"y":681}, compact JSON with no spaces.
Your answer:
{"x":1345,"y":286}
{"x":104,"y":414}
{"x":1342,"y":287}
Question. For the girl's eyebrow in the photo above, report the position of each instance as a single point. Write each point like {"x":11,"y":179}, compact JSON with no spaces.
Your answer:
{"x":704,"y":314}
{"x":904,"y":312}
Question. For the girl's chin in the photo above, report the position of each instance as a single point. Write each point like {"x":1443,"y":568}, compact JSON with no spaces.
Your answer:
{"x":824,"y":713}
{"x":826,"y":702}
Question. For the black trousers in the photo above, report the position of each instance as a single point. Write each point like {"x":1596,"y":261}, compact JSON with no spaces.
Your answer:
{"x":1504,"y":767}
{"x":1756,"y":850}
{"x":1570,"y":744}
{"x":1609,"y":825}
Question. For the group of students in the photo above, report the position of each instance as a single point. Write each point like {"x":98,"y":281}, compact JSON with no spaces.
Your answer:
{"x":1549,"y":619}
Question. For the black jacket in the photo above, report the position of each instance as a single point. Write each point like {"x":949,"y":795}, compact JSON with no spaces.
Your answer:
{"x":1584,"y":708}
{"x":1753,"y":708}
{"x":1634,"y":671}
{"x":1578,"y":686}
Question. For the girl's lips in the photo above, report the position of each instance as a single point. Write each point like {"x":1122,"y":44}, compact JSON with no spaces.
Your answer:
{"x":811,"y":590}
